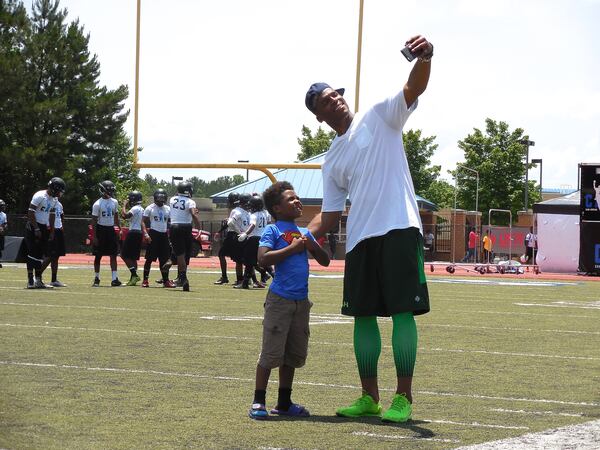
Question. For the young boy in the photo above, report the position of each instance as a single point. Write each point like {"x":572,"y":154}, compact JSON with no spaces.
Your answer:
{"x":130,"y":253}
{"x":287,"y":307}
{"x":156,"y":219}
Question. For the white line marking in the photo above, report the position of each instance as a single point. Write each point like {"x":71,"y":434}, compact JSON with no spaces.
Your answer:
{"x":577,"y":306}
{"x":529,"y":355}
{"x":422,"y":349}
{"x":583,"y":436}
{"x":397,"y":436}
{"x":472,"y":327}
{"x":304,"y":383}
{"x":516,"y":313}
{"x":535,"y":413}
{"x":477,"y":424}
{"x":509,"y":399}
{"x":497,"y":282}
{"x":154,"y":333}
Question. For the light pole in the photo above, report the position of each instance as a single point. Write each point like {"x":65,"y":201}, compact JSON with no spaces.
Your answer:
{"x":458,"y":167}
{"x":247,"y":170}
{"x":527,"y":143}
{"x":539,"y":161}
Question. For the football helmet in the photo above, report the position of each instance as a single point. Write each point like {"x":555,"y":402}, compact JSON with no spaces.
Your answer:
{"x":135,"y":198}
{"x":232,"y":199}
{"x":107,"y":187}
{"x":2,"y":205}
{"x":56,"y":186}
{"x":160,"y":196}
{"x":244,"y":199}
{"x":185,"y":188}
{"x":256,"y":203}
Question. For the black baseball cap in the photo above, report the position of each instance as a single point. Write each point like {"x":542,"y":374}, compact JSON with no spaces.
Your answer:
{"x":313,"y":93}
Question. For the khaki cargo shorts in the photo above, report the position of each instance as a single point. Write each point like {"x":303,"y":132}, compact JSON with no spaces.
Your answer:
{"x":285,"y":332}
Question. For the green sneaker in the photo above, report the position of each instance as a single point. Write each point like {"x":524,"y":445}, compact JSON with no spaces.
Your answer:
{"x":133,"y":281}
{"x":363,"y":406}
{"x":400,"y":411}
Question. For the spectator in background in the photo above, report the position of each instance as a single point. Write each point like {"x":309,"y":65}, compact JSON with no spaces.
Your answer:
{"x":3,"y":226}
{"x":487,"y":247}
{"x":530,"y":246}
{"x":429,"y":239}
{"x":471,"y":246}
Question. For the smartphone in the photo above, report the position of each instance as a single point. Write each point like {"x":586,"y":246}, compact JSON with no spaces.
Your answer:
{"x":408,"y":54}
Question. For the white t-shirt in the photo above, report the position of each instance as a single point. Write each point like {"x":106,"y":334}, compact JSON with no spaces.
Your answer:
{"x":58,"y":211}
{"x":105,"y":210}
{"x":3,"y":220}
{"x":260,"y":220}
{"x":135,"y":221}
{"x":241,"y":220}
{"x":159,"y":217}
{"x":44,"y":204}
{"x":531,"y":240}
{"x":369,"y":165}
{"x":181,"y":207}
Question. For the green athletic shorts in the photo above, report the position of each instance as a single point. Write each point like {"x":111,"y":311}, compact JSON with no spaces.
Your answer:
{"x":385,"y":275}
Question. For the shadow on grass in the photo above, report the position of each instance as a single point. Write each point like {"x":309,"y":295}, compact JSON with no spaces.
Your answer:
{"x":412,"y":425}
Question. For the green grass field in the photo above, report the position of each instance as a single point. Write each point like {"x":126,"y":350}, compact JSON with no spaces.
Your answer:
{"x":156,"y":368}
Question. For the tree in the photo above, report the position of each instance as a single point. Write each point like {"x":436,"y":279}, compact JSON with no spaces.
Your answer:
{"x":418,"y":154}
{"x":500,"y":160}
{"x":441,"y":193}
{"x":314,"y":145}
{"x":58,"y":120}
{"x":202,"y":189}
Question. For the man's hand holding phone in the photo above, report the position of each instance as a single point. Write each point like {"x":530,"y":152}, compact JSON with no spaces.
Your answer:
{"x":418,"y":47}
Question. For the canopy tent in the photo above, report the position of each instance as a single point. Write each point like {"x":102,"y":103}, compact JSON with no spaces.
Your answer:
{"x":558,"y":233}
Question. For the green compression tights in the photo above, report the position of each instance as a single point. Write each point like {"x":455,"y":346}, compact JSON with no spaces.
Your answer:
{"x":367,"y":344}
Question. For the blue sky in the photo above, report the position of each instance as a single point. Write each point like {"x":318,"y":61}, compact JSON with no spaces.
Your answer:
{"x":222,"y":81}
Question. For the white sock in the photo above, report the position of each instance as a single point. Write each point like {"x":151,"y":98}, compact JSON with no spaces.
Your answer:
{"x":97,"y":274}
{"x":114,"y":275}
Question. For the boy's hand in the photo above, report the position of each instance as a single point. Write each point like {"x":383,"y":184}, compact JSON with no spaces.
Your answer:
{"x":297,"y":245}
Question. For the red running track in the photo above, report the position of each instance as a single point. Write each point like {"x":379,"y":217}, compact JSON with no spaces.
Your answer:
{"x":337,"y":266}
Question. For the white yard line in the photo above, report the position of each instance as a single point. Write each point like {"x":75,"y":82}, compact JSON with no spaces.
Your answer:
{"x":518,"y":313}
{"x":399,"y":436}
{"x":509,"y":399}
{"x":304,"y":383}
{"x":473,"y":327}
{"x":561,"y":305}
{"x":528,"y":355}
{"x":477,"y":424}
{"x":247,"y":318}
{"x":534,"y":413}
{"x":585,"y":436}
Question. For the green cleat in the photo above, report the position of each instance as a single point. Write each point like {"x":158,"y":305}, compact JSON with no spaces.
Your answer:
{"x":133,"y":281}
{"x":362,"y":407}
{"x":400,"y":411}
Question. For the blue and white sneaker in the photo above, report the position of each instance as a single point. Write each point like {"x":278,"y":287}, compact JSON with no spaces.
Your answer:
{"x":258,"y":411}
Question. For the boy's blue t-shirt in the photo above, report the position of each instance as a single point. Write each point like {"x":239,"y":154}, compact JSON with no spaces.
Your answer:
{"x":291,"y":274}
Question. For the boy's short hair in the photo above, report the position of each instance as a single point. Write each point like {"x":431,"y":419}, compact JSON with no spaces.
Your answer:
{"x":272,"y":195}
